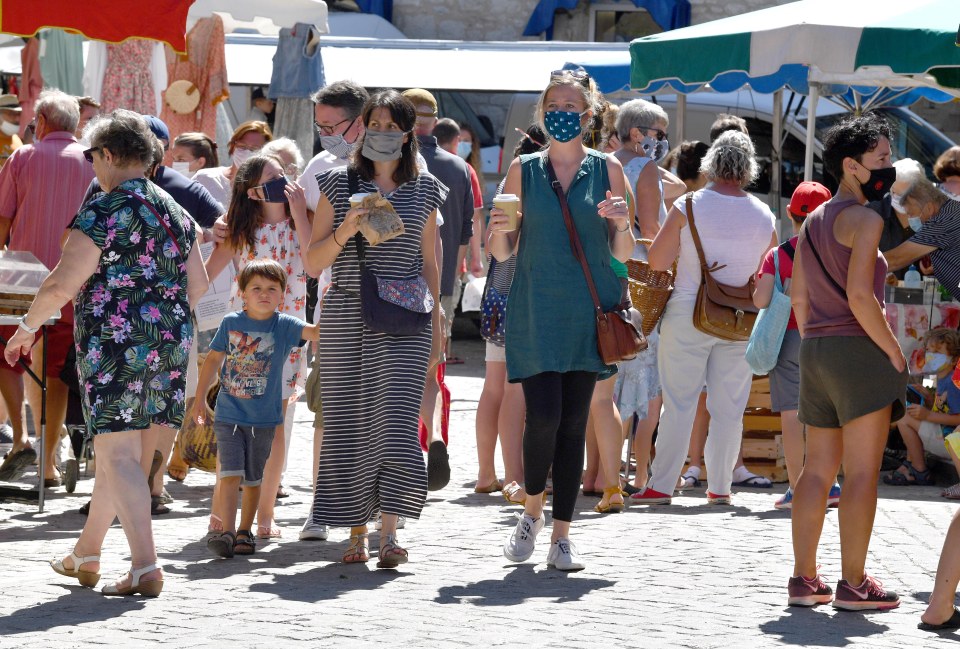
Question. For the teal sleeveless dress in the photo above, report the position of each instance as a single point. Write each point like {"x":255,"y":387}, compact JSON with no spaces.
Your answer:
{"x":551,"y":326}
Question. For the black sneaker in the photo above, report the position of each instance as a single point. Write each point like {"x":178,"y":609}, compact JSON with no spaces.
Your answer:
{"x":869,"y":595}
{"x":808,"y":592}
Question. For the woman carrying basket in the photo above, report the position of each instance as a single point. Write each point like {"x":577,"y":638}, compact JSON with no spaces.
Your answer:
{"x":550,"y":323}
{"x":736,"y":230}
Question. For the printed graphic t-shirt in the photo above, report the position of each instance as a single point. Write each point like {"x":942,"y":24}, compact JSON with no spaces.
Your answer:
{"x":251,"y":376}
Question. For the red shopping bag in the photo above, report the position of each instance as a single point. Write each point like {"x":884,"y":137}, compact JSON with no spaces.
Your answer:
{"x":444,"y":411}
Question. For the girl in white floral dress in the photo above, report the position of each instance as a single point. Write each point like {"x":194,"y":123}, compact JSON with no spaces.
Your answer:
{"x":267,"y":219}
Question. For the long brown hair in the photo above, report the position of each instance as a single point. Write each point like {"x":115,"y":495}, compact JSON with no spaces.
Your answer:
{"x":245,"y":215}
{"x":405,"y":115}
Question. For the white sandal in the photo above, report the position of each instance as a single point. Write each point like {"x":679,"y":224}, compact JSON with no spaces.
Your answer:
{"x":86,"y":578}
{"x":147,"y":588}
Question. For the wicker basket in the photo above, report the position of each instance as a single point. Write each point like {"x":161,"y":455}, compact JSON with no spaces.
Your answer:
{"x":649,"y":289}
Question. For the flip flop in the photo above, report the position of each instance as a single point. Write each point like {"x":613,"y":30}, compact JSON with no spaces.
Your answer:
{"x":271,"y":532}
{"x":952,"y":623}
{"x":157,"y":508}
{"x":493,"y":487}
{"x":755,"y":481}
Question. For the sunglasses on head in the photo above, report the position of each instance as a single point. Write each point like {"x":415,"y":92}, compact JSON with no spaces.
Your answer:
{"x":580,"y":76}
{"x":88,"y":154}
{"x":661,"y":135}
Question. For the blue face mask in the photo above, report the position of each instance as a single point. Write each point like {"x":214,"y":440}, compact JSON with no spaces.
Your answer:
{"x":273,"y":190}
{"x":563,"y":125}
{"x":934,"y":362}
{"x":464,"y":149}
{"x":915,"y":223}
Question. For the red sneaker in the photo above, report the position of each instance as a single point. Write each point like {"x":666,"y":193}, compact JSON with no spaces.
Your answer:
{"x":808,"y":592}
{"x":648,"y":496}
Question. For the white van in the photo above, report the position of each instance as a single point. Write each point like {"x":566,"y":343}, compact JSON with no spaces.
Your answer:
{"x":913,"y":136}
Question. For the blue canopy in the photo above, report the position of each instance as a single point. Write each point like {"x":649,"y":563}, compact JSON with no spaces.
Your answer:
{"x":669,"y":14}
{"x":378,"y":7}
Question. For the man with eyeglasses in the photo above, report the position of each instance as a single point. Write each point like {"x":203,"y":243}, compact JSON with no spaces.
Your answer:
{"x":41,"y":189}
{"x":336,"y":116}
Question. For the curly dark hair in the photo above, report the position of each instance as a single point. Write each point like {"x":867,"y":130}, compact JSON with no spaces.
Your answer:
{"x":851,"y":138}
{"x":404,"y":114}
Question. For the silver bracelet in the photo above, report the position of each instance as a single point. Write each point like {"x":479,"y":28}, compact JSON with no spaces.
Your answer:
{"x":23,"y":325}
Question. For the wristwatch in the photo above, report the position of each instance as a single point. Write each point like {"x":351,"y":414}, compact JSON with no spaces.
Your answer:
{"x":23,"y":325}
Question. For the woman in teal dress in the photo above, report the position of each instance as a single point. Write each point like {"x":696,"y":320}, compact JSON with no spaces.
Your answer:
{"x":132,"y":267}
{"x":551,"y":324}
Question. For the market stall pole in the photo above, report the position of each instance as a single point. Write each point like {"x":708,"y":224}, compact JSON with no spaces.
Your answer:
{"x":21,"y":275}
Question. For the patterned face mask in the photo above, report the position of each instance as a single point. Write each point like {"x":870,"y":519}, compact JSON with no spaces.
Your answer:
{"x":563,"y":125}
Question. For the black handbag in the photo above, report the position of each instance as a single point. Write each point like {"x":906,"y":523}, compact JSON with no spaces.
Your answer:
{"x":399,"y":307}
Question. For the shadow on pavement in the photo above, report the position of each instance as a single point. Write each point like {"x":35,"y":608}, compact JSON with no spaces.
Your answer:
{"x":78,"y":606}
{"x":817,"y":627}
{"x":520,"y":584}
{"x":329,"y":581}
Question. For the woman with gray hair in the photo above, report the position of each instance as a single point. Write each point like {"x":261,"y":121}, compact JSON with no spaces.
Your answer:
{"x":131,"y":267}
{"x":289,"y":154}
{"x":736,"y":230}
{"x":934,"y":217}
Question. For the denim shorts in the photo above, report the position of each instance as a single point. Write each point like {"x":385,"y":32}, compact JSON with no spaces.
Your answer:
{"x":243,"y":451}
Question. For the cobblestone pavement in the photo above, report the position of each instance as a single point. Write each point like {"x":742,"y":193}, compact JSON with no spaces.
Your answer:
{"x":687,"y":575}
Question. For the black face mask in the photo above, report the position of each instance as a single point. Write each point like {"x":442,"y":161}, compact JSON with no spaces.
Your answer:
{"x":879,"y":183}
{"x":273,"y":190}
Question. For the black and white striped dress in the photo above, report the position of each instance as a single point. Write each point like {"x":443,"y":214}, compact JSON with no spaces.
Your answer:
{"x":372,"y":383}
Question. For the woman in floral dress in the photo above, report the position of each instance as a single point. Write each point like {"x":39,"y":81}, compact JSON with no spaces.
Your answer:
{"x":266,"y":219}
{"x":132,"y":267}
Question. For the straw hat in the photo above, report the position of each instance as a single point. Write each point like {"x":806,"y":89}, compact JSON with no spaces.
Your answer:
{"x":182,"y":97}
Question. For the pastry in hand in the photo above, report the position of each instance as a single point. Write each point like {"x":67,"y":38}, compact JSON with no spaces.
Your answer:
{"x":381,"y":222}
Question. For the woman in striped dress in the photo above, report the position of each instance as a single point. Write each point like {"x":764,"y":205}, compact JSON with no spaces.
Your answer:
{"x":371,"y":383}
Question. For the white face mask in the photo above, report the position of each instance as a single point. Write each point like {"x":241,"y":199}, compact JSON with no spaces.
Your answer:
{"x":9,"y":128}
{"x":241,"y":155}
{"x":184,"y":168}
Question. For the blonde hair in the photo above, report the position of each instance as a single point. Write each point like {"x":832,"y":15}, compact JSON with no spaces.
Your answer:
{"x":566,"y":78}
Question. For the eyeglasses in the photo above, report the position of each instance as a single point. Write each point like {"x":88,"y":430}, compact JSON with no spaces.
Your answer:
{"x":32,"y":127}
{"x":328,"y":130}
{"x":88,"y":154}
{"x":579,"y":75}
{"x":661,"y":135}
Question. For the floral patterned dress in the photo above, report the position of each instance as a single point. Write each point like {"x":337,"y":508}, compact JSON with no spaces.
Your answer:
{"x":133,"y":329}
{"x":279,"y":242}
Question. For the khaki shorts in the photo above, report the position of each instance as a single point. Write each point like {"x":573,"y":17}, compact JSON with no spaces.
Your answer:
{"x":846,"y":377}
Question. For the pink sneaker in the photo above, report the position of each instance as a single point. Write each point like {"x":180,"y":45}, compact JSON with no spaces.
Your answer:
{"x":869,"y":595}
{"x":648,"y":496}
{"x":808,"y":592}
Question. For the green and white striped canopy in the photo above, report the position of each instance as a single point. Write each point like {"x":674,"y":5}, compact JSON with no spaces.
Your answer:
{"x":838,"y":43}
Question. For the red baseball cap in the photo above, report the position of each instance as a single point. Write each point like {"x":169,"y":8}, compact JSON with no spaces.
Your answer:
{"x":807,"y":197}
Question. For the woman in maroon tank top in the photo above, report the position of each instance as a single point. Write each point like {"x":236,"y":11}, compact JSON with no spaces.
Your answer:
{"x":852,"y":371}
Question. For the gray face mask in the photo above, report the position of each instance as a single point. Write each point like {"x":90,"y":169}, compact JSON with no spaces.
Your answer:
{"x":382,"y":146}
{"x":654,"y":148}
{"x":336,"y":146}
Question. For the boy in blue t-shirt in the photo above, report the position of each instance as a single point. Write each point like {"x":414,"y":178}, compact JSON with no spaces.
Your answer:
{"x":927,"y":425}
{"x":249,"y":351}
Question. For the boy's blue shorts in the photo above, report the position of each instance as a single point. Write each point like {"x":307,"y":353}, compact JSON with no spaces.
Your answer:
{"x":243,"y":451}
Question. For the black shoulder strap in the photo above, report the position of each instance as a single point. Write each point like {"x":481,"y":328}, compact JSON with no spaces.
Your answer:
{"x":353,"y":187}
{"x":788,"y":248}
{"x":816,"y":254}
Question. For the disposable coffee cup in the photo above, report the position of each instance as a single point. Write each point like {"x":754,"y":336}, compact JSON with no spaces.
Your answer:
{"x":509,"y":203}
{"x":356,"y":199}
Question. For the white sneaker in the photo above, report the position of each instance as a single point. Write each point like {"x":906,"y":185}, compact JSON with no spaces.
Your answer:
{"x":313,"y":531}
{"x":523,"y":539}
{"x":401,"y":522}
{"x":563,"y":555}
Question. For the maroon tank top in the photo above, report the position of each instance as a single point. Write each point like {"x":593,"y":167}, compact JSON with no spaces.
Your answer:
{"x":829,"y":311}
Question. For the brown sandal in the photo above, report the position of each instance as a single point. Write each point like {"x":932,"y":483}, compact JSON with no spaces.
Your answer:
{"x":607,"y":504}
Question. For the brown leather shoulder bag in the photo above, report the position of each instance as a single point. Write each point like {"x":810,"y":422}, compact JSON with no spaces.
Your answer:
{"x":618,"y":337}
{"x":724,"y":311}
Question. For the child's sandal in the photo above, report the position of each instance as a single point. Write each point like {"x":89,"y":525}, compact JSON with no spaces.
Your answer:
{"x":245,"y":543}
{"x":359,"y":549}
